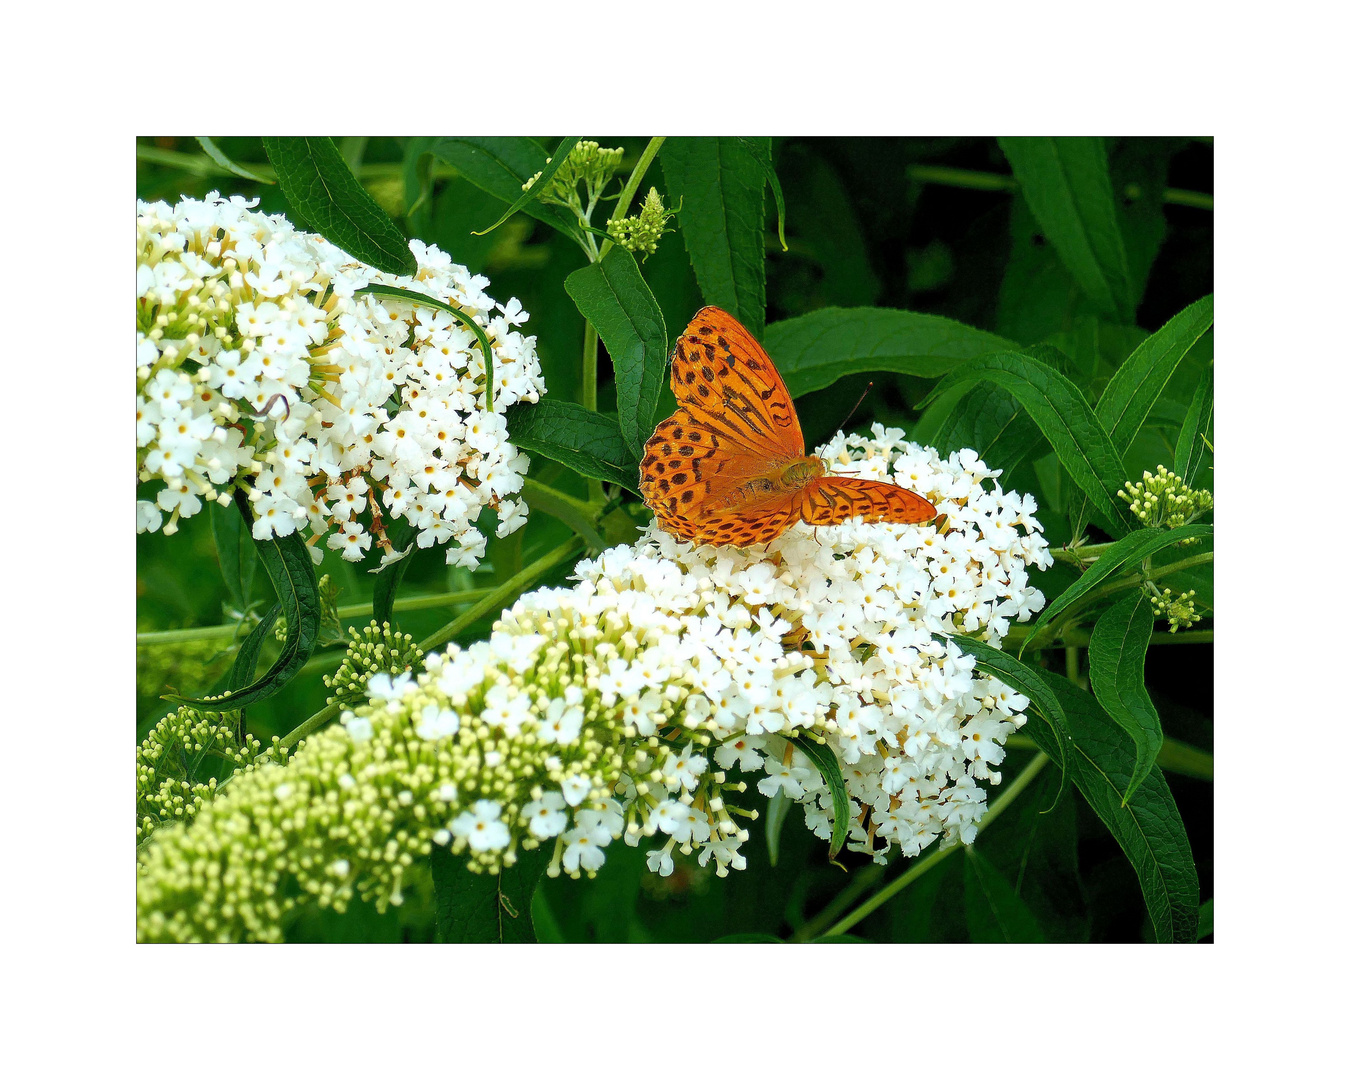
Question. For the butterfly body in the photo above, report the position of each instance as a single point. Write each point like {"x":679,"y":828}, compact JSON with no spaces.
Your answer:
{"x":730,"y":466}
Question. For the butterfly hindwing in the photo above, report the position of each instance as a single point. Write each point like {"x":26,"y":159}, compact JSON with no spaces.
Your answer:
{"x":832,"y":500}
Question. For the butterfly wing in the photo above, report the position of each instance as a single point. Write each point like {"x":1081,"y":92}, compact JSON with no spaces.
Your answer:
{"x":750,"y":523}
{"x":832,"y":500}
{"x":725,"y":380}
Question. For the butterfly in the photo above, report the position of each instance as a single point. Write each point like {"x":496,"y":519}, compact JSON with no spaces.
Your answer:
{"x":730,"y":466}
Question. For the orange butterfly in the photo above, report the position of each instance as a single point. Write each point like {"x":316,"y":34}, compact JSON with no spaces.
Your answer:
{"x":730,"y":466}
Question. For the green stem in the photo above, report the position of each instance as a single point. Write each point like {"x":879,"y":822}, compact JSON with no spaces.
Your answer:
{"x":1079,"y":638}
{"x":1005,"y":799}
{"x":634,"y":181}
{"x":985,"y":181}
{"x":312,"y":724}
{"x":505,"y":592}
{"x":1071,"y":665}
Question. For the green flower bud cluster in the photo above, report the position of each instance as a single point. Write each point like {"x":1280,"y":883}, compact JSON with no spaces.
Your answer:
{"x":1179,"y":610}
{"x":1166,"y":500}
{"x":642,"y":231}
{"x":183,"y":759}
{"x":377,"y":647}
{"x":588,"y":164}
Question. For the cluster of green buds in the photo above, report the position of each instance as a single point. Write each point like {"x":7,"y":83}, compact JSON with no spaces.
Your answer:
{"x":640,"y":232}
{"x":588,"y":165}
{"x":184,"y":758}
{"x":1178,"y":609}
{"x":1166,"y":501}
{"x":374,"y":648}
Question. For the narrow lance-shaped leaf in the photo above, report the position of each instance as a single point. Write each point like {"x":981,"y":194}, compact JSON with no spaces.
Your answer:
{"x":287,"y":561}
{"x":393,"y":292}
{"x":500,"y":166}
{"x":811,"y":351}
{"x":824,"y":759}
{"x":390,"y":576}
{"x":1116,"y":660}
{"x":216,"y":154}
{"x":1067,"y":184}
{"x":1130,"y":550}
{"x":588,"y":443}
{"x":1064,"y":417}
{"x":773,"y":823}
{"x":613,"y":297}
{"x":720,"y":187}
{"x":234,"y":549}
{"x":1148,"y":828}
{"x":537,"y":187}
{"x":1191,"y":441}
{"x":761,"y":154}
{"x":322,"y":191}
{"x":989,"y":419}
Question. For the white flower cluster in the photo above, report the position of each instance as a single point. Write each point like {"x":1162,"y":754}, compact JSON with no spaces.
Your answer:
{"x":257,"y":364}
{"x":711,"y":656}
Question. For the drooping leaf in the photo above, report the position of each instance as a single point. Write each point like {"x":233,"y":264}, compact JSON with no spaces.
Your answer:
{"x":1021,"y":677}
{"x":287,"y":562}
{"x":486,"y":907}
{"x":412,"y":296}
{"x":588,"y":443}
{"x":763,"y":156}
{"x":1065,"y":419}
{"x":824,"y":759}
{"x":774,"y":817}
{"x":813,"y":350}
{"x":388,"y":578}
{"x":1130,"y":550}
{"x":1148,"y":828}
{"x":237,"y":555}
{"x":324,"y":194}
{"x":1194,"y":430}
{"x":246,"y":659}
{"x":613,"y":296}
{"x":720,"y":187}
{"x":501,"y":166}
{"x":531,"y":193}
{"x":1067,"y":183}
{"x":216,"y":154}
{"x":418,"y":186}
{"x":994,"y":911}
{"x":1116,"y":660}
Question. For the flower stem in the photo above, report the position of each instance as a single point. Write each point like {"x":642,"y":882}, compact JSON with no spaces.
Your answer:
{"x":634,"y":181}
{"x":1013,"y":790}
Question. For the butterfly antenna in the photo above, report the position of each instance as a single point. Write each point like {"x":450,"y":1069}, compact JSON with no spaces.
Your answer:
{"x":855,"y":407}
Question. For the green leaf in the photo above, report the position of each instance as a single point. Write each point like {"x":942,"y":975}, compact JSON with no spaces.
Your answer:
{"x":612,"y":295}
{"x":324,"y":194}
{"x":1149,"y":828}
{"x":287,"y":562}
{"x":1116,"y":662}
{"x":501,"y":166}
{"x":412,"y":296}
{"x":531,"y":193}
{"x":217,"y":155}
{"x":1191,"y":441}
{"x":1130,"y":395}
{"x":720,"y":186}
{"x":246,"y":659}
{"x":1022,"y":678}
{"x":990,"y":420}
{"x":1067,"y":183}
{"x":764,"y":157}
{"x":777,"y":813}
{"x":418,"y":185}
{"x":824,"y":759}
{"x":234,"y":549}
{"x":486,"y":907}
{"x":1206,"y":919}
{"x":813,"y":350}
{"x":1130,"y":550}
{"x":994,"y":911}
{"x":1065,"y":419}
{"x":588,"y":443}
{"x":389,"y":578}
